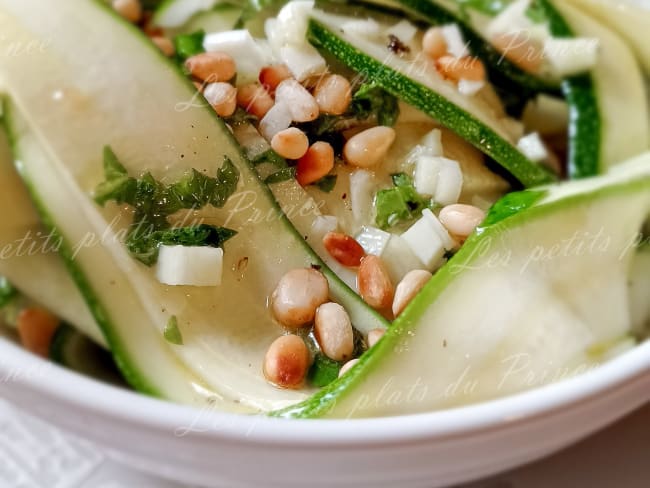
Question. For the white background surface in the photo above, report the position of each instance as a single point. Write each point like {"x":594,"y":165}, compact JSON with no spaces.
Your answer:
{"x":34,"y":455}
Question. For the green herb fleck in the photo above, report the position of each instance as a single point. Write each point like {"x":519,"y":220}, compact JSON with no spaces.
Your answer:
{"x":172,"y":333}
{"x":536,"y":13}
{"x":488,"y":7}
{"x":154,"y":202}
{"x":326,"y":183}
{"x":281,"y":175}
{"x":400,"y":203}
{"x":7,"y":292}
{"x":371,"y":99}
{"x":271,"y":157}
{"x":511,"y":204}
{"x":323,"y":371}
{"x":188,"y":45}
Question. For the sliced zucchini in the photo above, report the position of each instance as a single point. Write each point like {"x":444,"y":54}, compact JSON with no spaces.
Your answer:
{"x":472,"y":23}
{"x":75,"y":351}
{"x":609,"y":110}
{"x":420,"y":85}
{"x":175,"y":13}
{"x":628,"y":20}
{"x":143,"y":116}
{"x":221,"y":18}
{"x":545,"y":284}
{"x":29,"y":258}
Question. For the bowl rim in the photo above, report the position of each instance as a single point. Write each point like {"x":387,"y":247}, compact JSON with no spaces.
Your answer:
{"x":73,"y":389}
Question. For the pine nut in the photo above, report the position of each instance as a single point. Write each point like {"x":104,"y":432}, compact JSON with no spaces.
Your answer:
{"x":347,"y":366}
{"x":333,"y":94}
{"x":36,"y":327}
{"x":374,"y":283}
{"x":131,"y":10}
{"x":302,"y":104}
{"x":254,"y":99}
{"x":466,"y":68}
{"x":286,"y":362}
{"x":316,"y":163}
{"x":406,"y":290}
{"x":460,"y":219}
{"x":165,"y":45}
{"x":344,"y":248}
{"x":223,"y":98}
{"x":333,"y":331}
{"x":369,"y":147}
{"x":271,"y":76}
{"x":298,"y":294}
{"x":433,"y":43}
{"x":211,"y":67}
{"x":291,"y":143}
{"x":523,"y":52}
{"x":374,"y":335}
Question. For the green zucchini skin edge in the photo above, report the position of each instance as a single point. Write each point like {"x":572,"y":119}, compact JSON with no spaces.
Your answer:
{"x":584,"y":158}
{"x":458,"y":120}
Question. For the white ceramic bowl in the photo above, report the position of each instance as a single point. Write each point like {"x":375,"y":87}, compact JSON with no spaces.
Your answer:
{"x":427,"y":450}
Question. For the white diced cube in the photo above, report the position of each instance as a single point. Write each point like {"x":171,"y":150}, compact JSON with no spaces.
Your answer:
{"x":425,"y":178}
{"x":190,"y":265}
{"x":293,"y":19}
{"x":533,"y":147}
{"x":469,"y":88}
{"x":439,"y":229}
{"x":455,"y":41}
{"x":568,"y":57}
{"x":450,"y":182}
{"x":403,"y":30}
{"x":302,"y":61}
{"x":425,"y":243}
{"x":373,"y":240}
{"x":399,"y":259}
{"x":362,"y":189}
{"x":249,"y":57}
{"x":363,"y":28}
{"x":433,"y":142}
{"x":321,"y":225}
{"x":276,"y":119}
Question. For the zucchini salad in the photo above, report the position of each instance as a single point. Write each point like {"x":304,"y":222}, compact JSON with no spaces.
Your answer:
{"x":325,"y":209}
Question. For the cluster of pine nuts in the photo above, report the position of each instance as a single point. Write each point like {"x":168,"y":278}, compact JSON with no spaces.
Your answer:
{"x":450,"y":67}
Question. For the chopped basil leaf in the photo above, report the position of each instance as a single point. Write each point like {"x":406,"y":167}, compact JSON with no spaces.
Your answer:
{"x":488,"y":7}
{"x":154,"y":202}
{"x":188,"y":45}
{"x":172,"y":333}
{"x":323,"y":371}
{"x":511,"y":204}
{"x":7,"y":291}
{"x":283,"y":174}
{"x":271,"y":157}
{"x":536,"y":13}
{"x":371,"y":99}
{"x":326,"y":183}
{"x":400,"y":203}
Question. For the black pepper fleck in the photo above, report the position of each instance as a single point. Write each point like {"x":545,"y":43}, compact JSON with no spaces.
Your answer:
{"x":396,"y":46}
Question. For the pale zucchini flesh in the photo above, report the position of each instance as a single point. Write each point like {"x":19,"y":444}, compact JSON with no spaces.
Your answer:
{"x":152,"y":125}
{"x":520,"y":305}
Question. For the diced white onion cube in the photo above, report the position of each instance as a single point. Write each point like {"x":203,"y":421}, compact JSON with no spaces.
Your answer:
{"x":533,"y":147}
{"x":425,"y":179}
{"x":510,"y":20}
{"x":292,"y":21}
{"x":190,"y":265}
{"x":447,"y":241}
{"x":179,"y":12}
{"x":249,"y":57}
{"x":323,"y":224}
{"x":403,"y":30}
{"x":363,"y":28}
{"x":276,"y":119}
{"x":373,"y":240}
{"x":362,"y":189}
{"x":450,"y":182}
{"x":433,"y":142}
{"x":568,"y":57}
{"x":455,"y":41}
{"x":399,"y":259}
{"x":425,"y":243}
{"x":469,"y":88}
{"x":302,"y":61}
